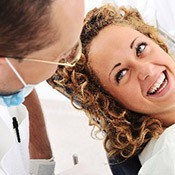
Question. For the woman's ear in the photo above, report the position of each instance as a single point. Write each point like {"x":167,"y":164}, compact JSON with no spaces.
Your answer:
{"x":2,"y":61}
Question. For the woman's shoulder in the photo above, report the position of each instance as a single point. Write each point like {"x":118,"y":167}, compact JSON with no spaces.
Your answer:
{"x":159,"y":153}
{"x":167,"y":138}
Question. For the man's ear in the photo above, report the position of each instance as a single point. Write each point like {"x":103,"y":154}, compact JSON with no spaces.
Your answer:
{"x":2,"y":61}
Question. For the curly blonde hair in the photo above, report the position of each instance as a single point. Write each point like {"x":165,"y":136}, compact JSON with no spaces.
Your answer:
{"x":126,"y":132}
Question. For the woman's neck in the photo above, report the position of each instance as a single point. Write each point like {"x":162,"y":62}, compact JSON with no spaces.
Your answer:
{"x":167,"y":118}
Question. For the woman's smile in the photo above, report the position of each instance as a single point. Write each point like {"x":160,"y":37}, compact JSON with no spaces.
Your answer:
{"x":160,"y":86}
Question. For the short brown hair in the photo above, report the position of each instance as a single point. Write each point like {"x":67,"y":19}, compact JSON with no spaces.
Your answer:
{"x":24,"y":26}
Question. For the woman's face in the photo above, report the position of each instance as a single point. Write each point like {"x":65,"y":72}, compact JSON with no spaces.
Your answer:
{"x":135,"y":70}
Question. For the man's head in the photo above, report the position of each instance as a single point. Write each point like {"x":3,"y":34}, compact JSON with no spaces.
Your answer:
{"x":41,"y":29}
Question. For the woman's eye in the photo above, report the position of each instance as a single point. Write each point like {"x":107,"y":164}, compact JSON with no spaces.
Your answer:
{"x":120,"y":75}
{"x":140,"y":48}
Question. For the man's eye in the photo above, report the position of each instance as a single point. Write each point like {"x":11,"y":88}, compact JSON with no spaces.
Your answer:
{"x":140,"y":48}
{"x":120,"y":75}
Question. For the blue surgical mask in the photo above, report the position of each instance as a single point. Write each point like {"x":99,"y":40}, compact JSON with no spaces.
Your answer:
{"x":18,"y":97}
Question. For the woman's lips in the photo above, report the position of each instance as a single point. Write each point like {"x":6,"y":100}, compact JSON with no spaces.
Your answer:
{"x":159,"y":86}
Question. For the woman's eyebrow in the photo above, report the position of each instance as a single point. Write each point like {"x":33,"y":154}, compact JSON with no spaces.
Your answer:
{"x":132,"y":43}
{"x":119,"y":64}
{"x":116,"y":65}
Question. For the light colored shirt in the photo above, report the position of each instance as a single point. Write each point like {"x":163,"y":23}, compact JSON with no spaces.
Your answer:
{"x":14,"y":155}
{"x":158,"y":157}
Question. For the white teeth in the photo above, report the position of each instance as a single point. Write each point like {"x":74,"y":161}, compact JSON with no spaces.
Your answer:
{"x":157,"y":83}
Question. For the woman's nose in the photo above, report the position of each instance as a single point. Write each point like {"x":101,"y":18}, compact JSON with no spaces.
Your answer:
{"x":145,"y":70}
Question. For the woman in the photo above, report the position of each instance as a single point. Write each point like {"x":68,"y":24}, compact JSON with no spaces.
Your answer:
{"x":125,"y":82}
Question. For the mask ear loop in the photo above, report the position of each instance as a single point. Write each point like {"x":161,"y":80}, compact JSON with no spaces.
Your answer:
{"x":15,"y":71}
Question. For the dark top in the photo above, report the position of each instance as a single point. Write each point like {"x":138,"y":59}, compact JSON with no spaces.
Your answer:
{"x":128,"y":167}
